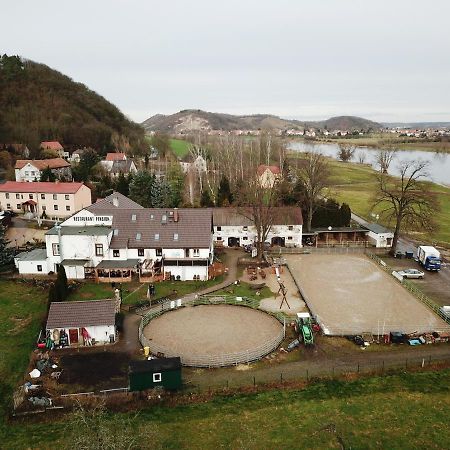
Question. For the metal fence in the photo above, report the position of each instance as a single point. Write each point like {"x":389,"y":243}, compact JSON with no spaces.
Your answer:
{"x":220,"y":360}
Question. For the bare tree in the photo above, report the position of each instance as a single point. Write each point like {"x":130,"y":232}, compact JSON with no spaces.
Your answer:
{"x":384,"y":159}
{"x":345,"y":152}
{"x":313,"y":173}
{"x":405,"y":200}
{"x":257,"y":204}
{"x":361,"y":157}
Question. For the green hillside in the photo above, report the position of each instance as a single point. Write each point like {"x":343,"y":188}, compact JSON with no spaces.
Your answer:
{"x":40,"y":104}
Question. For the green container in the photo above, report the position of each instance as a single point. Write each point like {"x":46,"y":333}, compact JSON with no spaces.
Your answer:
{"x":164,"y":372}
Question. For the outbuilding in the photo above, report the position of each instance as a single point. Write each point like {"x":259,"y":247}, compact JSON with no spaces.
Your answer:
{"x":82,"y":323}
{"x":34,"y":262}
{"x":379,"y":236}
{"x":160,"y":372}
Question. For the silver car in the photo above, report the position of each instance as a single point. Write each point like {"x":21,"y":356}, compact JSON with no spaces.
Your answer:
{"x":411,"y":273}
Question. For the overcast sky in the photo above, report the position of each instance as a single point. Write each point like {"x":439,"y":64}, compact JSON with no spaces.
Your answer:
{"x":384,"y":60}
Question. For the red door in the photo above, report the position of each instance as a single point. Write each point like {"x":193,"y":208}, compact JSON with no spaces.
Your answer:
{"x":73,"y":335}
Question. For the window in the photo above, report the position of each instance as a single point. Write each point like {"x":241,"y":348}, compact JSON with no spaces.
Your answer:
{"x":245,"y":228}
{"x":159,"y":252}
{"x":67,"y":208}
{"x":244,"y":238}
{"x":175,"y":236}
{"x":17,"y":196}
{"x":44,"y":208}
{"x":116,"y":253}
{"x":116,"y":232}
{"x":55,"y":196}
{"x":290,"y":227}
{"x":30,"y":196}
{"x":19,"y":206}
{"x":219,"y":228}
{"x":140,"y":252}
{"x":152,"y":216}
{"x":42,"y":196}
{"x":66,"y":196}
{"x":39,"y":268}
{"x":219,"y":238}
{"x":8,"y":206}
{"x":55,"y":248}
{"x":98,"y":249}
{"x":196,"y":252}
{"x":289,"y":238}
{"x":157,"y":378}
{"x":138,"y":236}
{"x":55,"y":207}
{"x":7,"y":195}
{"x":27,"y":173}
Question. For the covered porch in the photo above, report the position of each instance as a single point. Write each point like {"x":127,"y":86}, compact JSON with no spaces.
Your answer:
{"x":336,"y":237}
{"x":120,"y":271}
{"x":151,"y":271}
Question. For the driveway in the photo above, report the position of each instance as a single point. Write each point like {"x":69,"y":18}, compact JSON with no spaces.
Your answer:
{"x":22,"y":232}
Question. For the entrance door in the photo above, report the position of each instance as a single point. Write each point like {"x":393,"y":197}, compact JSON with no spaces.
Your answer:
{"x":73,"y":335}
{"x":233,"y":242}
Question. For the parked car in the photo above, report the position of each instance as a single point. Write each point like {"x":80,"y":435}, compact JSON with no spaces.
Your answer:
{"x":411,"y":273}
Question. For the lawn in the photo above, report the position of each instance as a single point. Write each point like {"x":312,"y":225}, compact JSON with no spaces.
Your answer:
{"x":355,"y":184}
{"x":404,"y":411}
{"x":180,"y":147}
{"x":244,"y":290}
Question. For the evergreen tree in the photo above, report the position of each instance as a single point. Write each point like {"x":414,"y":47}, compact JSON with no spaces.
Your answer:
{"x":141,"y":188}
{"x":161,"y":194}
{"x":6,"y":253}
{"x":345,"y":214}
{"x":48,"y":175}
{"x":61,"y":285}
{"x":123,"y":185}
{"x":205,"y":200}
{"x":224,"y":195}
{"x":52,"y":297}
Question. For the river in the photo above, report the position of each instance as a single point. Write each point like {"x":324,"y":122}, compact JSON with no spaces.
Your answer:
{"x":438,"y":169}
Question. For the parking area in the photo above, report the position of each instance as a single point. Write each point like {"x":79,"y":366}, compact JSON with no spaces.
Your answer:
{"x":350,"y":294}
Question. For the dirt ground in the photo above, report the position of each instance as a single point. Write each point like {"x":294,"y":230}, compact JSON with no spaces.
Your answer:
{"x":92,"y":371}
{"x":212,"y":330}
{"x":350,"y":294}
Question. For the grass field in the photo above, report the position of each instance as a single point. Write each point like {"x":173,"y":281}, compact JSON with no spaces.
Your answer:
{"x":180,"y":147}
{"x":355,"y":184}
{"x":406,"y":411}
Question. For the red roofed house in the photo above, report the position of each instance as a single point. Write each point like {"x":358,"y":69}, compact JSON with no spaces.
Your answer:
{"x":56,"y":146}
{"x":268,"y":175}
{"x":52,"y":200}
{"x":30,"y":170}
{"x":116,"y":156}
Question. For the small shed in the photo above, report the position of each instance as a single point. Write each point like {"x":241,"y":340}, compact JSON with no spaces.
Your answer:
{"x":82,"y":323}
{"x":379,"y":236}
{"x":147,"y":374}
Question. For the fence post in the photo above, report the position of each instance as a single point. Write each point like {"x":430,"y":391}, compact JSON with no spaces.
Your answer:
{"x":307,"y":375}
{"x":281,"y":377}
{"x":254,"y":381}
{"x":358,"y":367}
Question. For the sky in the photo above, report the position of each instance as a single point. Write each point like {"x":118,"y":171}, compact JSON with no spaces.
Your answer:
{"x":384,"y":60}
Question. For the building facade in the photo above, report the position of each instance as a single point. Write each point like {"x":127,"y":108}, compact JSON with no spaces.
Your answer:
{"x":31,"y":170}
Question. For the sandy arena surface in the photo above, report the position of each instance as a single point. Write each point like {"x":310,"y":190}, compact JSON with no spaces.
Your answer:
{"x":350,"y":294}
{"x":212,"y":330}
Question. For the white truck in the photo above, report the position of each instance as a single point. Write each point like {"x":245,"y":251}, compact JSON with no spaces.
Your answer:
{"x":429,"y":257}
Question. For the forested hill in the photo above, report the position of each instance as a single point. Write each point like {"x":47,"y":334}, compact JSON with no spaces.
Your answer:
{"x":38,"y":104}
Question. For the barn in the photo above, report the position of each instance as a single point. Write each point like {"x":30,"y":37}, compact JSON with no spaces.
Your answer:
{"x":82,"y":323}
{"x":161,"y":372}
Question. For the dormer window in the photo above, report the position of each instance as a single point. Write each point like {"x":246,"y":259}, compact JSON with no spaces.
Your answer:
{"x":164,"y":218}
{"x":138,"y":236}
{"x":152,"y":217}
{"x":133,"y":217}
{"x":157,"y":237}
{"x":175,"y":236}
{"x":116,"y":232}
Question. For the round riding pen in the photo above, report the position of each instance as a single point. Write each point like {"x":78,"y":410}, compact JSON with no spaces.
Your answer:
{"x":212,"y":331}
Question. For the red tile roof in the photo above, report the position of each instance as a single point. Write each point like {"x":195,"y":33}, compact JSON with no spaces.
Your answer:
{"x":40,"y":187}
{"x":274,"y":169}
{"x":117,"y":156}
{"x":52,"y":145}
{"x":41,"y":164}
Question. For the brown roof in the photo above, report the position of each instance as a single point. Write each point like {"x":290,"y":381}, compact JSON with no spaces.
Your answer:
{"x":51,"y":145}
{"x":117,"y":156}
{"x":46,"y":187}
{"x":122,"y":166}
{"x":41,"y":164}
{"x":138,"y":228}
{"x":274,"y":169}
{"x":282,"y":215}
{"x":116,"y":197}
{"x":81,"y":314}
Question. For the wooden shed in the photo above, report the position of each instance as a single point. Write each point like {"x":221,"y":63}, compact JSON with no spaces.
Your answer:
{"x":164,"y":372}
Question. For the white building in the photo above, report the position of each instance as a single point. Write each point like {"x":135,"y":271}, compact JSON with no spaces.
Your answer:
{"x":379,"y":236}
{"x":31,"y":170}
{"x":233,"y":227}
{"x":82,"y":323}
{"x":116,"y":238}
{"x":268,"y":175}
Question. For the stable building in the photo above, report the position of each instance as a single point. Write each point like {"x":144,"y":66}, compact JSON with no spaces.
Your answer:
{"x":379,"y":236}
{"x":83,"y":323}
{"x":234,"y":227}
{"x":161,"y":372}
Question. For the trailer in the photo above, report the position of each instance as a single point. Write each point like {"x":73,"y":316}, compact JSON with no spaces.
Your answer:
{"x":304,"y":327}
{"x":429,"y":257}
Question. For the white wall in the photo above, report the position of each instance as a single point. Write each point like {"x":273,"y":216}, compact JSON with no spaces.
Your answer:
{"x":187,"y":272}
{"x":380,"y":240}
{"x":74,"y":272}
{"x":28,"y":173}
{"x":30,"y":267}
{"x":99,"y":333}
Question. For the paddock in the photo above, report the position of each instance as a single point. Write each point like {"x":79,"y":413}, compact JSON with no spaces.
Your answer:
{"x":351,"y":294}
{"x":213,"y":335}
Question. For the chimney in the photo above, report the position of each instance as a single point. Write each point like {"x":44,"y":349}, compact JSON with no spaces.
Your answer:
{"x":175,"y":214}
{"x":115,"y":202}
